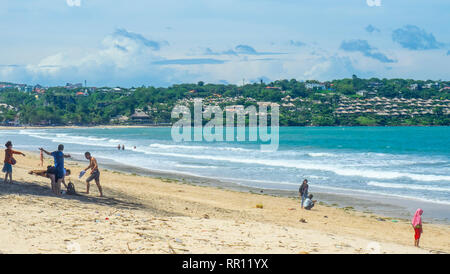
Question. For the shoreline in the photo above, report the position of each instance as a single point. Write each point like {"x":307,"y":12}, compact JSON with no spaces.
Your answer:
{"x":147,"y":215}
{"x":79,"y":127}
{"x":168,"y":126}
{"x":379,"y":204}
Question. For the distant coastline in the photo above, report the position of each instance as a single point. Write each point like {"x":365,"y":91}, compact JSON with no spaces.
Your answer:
{"x":81,"y":126}
{"x":167,"y":126}
{"x":344,"y":102}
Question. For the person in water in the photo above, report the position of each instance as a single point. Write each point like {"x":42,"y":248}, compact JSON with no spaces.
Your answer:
{"x":9,"y":161}
{"x":59,"y":171}
{"x":303,"y":191}
{"x":417,"y":225}
{"x":95,"y":173}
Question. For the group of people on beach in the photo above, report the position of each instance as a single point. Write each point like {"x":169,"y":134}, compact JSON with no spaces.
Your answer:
{"x":55,"y":173}
{"x":307,"y":203}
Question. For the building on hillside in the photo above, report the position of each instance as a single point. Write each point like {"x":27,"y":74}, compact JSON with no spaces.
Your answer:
{"x":413,"y":87}
{"x":269,"y":87}
{"x":81,"y":93}
{"x":315,"y":86}
{"x":73,"y":86}
{"x":431,"y":85}
{"x":362,"y":92}
{"x":140,"y":116}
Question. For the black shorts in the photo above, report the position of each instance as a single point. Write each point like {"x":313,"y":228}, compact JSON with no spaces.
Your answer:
{"x":59,"y":175}
{"x":94,"y":176}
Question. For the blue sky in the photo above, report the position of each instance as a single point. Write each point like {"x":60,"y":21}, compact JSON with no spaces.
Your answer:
{"x":134,"y":43}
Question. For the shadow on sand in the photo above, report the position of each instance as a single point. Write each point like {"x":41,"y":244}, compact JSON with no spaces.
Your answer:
{"x":122,"y":201}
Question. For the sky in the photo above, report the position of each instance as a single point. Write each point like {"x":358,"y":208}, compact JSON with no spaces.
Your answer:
{"x":161,"y":43}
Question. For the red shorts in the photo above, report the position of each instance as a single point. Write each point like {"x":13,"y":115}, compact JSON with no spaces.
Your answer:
{"x":418,"y":231}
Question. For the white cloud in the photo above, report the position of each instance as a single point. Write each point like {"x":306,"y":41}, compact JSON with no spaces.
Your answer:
{"x":73,"y":3}
{"x":121,"y":60}
{"x":374,"y":3}
{"x":130,"y":59}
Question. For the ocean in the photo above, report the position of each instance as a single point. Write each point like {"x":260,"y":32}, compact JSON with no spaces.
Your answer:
{"x":394,"y":163}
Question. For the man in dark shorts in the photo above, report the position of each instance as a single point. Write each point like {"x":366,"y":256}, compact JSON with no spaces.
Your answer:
{"x":45,"y":173}
{"x":95,"y":173}
{"x":59,"y":171}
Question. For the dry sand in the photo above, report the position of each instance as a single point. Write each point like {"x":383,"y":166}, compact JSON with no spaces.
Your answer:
{"x":147,"y":215}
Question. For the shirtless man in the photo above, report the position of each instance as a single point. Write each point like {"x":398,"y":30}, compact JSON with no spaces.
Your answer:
{"x":95,"y":173}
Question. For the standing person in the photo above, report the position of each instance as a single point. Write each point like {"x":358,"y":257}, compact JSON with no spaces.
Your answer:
{"x":95,"y":173}
{"x":42,"y":158}
{"x":417,"y":225}
{"x":9,"y":161}
{"x":303,"y":191}
{"x":123,"y":147}
{"x":58,"y":157}
{"x":118,"y":146}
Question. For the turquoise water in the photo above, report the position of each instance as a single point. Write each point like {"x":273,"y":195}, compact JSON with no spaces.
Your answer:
{"x":403,"y":162}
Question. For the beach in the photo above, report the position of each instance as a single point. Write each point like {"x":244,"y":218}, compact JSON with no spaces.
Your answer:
{"x":149,"y":215}
{"x":369,"y":169}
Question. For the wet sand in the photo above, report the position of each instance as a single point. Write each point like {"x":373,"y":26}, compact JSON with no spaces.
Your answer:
{"x":394,"y":207}
{"x":148,"y":215}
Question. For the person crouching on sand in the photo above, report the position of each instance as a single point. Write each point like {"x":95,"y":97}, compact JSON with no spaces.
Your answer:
{"x":9,"y":161}
{"x":417,"y":225}
{"x":309,"y":203}
{"x":95,"y":173}
{"x":58,"y":157}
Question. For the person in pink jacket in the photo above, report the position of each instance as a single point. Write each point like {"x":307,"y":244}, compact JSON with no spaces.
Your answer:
{"x":417,"y":225}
